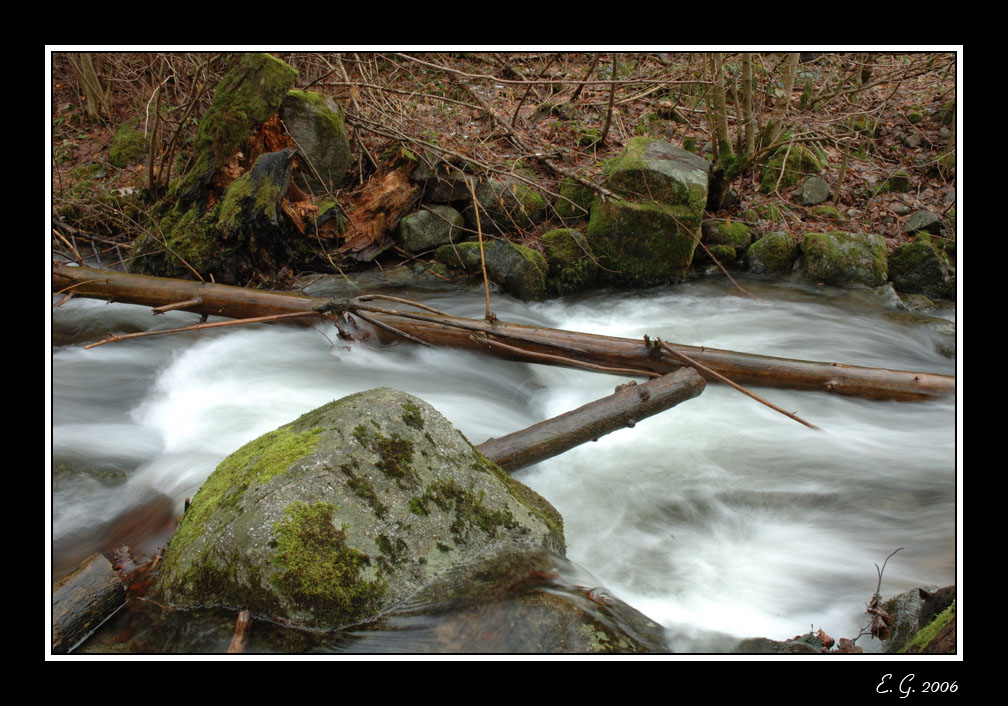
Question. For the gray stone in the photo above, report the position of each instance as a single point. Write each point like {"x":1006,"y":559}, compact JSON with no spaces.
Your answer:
{"x":651,"y":170}
{"x":813,"y":190}
{"x":520,"y":270}
{"x":430,"y":227}
{"x":923,"y":220}
{"x":316,"y":124}
{"x":353,"y":509}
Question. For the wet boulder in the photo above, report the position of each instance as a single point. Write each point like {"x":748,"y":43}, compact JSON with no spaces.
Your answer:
{"x":353,"y":509}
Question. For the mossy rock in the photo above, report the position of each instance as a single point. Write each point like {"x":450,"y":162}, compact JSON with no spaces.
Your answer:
{"x":773,"y":254}
{"x":643,"y":244}
{"x":845,"y":258}
{"x":920,"y":268}
{"x":572,"y":265}
{"x":801,"y":162}
{"x":349,"y":511}
{"x":129,"y":146}
{"x":316,"y":124}
{"x":827,"y":213}
{"x":652,"y":170}
{"x":506,"y":207}
{"x":575,"y":201}
{"x":726,"y":241}
{"x":519,"y":269}
{"x":430,"y":227}
{"x":247,"y":96}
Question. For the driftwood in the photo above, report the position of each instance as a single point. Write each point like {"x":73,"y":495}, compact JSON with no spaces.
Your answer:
{"x":624,"y":408}
{"x":84,"y":600}
{"x":644,"y":357}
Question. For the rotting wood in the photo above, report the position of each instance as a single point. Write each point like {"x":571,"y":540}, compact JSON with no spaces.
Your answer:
{"x":629,"y":404}
{"x":606,"y":351}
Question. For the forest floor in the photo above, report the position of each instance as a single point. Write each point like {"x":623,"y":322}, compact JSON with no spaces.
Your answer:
{"x":495,"y":113}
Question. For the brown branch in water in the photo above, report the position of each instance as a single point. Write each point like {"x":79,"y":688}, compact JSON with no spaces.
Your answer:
{"x":241,"y":633}
{"x":481,"y":337}
{"x":718,"y":376}
{"x":200,"y":326}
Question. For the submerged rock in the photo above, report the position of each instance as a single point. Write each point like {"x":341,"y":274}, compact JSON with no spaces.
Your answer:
{"x":350,"y":511}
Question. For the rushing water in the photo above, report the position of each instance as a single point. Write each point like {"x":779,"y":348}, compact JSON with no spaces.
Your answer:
{"x":720,"y":518}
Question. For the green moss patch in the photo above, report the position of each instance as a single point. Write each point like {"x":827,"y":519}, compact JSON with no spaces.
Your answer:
{"x":317,"y":570}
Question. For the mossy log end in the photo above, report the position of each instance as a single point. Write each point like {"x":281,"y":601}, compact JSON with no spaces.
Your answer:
{"x":522,"y":342}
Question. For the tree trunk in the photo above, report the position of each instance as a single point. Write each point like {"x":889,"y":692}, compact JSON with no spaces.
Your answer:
{"x":624,"y":408}
{"x":530,"y":343}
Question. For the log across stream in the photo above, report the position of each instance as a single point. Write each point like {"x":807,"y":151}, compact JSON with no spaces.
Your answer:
{"x":719,"y":518}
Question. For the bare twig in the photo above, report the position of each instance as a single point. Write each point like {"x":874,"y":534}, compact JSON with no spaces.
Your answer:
{"x":679,"y":355}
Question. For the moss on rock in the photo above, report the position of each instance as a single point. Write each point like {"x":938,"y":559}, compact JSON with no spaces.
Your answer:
{"x":801,"y":162}
{"x":845,"y":258}
{"x":347,"y":511}
{"x":572,"y":265}
{"x":643,"y":244}
{"x":773,"y":254}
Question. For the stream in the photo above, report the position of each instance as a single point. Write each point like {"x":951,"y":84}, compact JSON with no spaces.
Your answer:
{"x":720,"y":518}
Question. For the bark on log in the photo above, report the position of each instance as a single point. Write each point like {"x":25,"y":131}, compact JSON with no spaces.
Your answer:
{"x":607,"y":351}
{"x":624,"y":408}
{"x":83,"y":601}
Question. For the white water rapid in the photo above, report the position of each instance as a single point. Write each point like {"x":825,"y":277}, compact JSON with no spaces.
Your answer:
{"x":720,"y":518}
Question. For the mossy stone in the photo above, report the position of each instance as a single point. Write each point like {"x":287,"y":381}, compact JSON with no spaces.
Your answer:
{"x":773,"y":254}
{"x":575,"y":201}
{"x":315,"y":524}
{"x":801,"y":162}
{"x":920,"y":268}
{"x":643,"y":244}
{"x":519,"y":269}
{"x":316,"y":124}
{"x":845,"y":258}
{"x":129,"y":146}
{"x":572,"y":265}
{"x":652,"y":170}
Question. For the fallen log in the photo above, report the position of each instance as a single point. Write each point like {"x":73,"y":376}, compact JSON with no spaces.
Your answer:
{"x":629,"y":404}
{"x":644,"y":357}
{"x":84,"y":600}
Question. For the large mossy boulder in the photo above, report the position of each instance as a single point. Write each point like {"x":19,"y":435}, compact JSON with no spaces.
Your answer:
{"x":572,"y":265}
{"x":845,"y":258}
{"x":519,"y":269}
{"x":650,"y":237}
{"x":350,"y":511}
{"x":316,"y":124}
{"x":643,"y":244}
